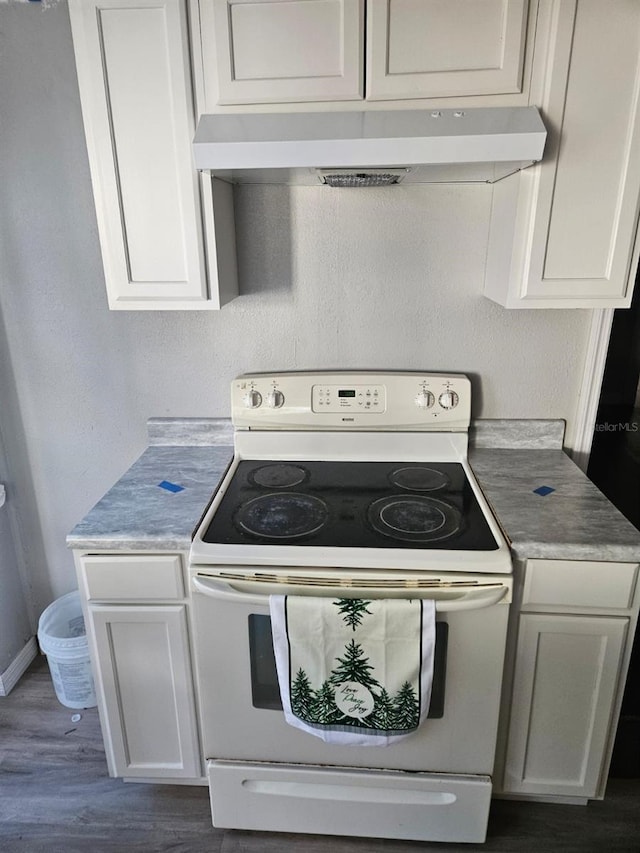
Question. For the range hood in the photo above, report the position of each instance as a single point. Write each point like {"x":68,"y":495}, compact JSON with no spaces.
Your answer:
{"x":370,"y":148}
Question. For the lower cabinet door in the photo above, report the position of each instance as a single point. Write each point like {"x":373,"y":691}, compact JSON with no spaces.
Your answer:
{"x":565,"y":683}
{"x":350,"y":801}
{"x":147,"y":696}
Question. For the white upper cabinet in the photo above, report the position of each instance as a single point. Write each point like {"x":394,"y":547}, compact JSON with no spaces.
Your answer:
{"x":287,"y":51}
{"x":262,"y":51}
{"x":135,"y":82}
{"x":444,"y":48}
{"x":563,"y":233}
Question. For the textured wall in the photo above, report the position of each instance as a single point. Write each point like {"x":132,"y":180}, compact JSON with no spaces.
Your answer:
{"x":16,"y":624}
{"x":352,"y":279}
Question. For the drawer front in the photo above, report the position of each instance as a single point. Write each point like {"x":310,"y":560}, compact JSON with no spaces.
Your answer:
{"x":130,"y":578}
{"x":577,"y":583}
{"x":364,"y":803}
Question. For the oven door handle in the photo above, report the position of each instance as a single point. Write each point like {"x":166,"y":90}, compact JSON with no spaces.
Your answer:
{"x":469,"y":599}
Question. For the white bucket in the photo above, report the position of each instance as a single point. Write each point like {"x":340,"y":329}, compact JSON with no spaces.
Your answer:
{"x":63,"y":639}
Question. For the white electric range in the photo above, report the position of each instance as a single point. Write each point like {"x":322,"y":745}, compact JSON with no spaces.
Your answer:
{"x":351,"y":485}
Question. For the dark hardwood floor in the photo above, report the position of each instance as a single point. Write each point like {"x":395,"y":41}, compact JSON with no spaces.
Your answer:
{"x":56,"y":797}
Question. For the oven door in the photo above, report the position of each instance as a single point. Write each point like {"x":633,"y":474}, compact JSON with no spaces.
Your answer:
{"x":266,"y":775}
{"x":241,"y":714}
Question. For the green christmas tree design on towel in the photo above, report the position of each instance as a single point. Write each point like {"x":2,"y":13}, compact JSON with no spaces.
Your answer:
{"x":352,"y":695}
{"x":354,"y":667}
{"x":352,"y":610}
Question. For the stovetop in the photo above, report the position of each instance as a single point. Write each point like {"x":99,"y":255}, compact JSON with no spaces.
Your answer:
{"x":343,"y":504}
{"x":341,"y":473}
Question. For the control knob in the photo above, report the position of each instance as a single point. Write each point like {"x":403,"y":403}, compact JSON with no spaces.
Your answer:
{"x":424,"y":399}
{"x":275,"y":399}
{"x":252,"y":399}
{"x":448,"y":399}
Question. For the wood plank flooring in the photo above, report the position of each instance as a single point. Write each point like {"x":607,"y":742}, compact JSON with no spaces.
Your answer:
{"x":56,"y":797}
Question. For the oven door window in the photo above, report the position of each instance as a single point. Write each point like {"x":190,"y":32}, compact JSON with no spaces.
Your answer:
{"x":264,"y":679}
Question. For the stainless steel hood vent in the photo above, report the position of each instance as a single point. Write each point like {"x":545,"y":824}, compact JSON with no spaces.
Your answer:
{"x":482,"y":144}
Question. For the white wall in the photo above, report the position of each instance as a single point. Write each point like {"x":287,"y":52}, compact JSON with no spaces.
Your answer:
{"x":373,"y":278}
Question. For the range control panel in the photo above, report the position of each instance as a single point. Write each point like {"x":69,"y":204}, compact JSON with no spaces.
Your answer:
{"x":345,"y":400}
{"x":357,"y":398}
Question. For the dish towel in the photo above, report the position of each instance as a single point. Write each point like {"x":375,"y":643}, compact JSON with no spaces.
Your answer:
{"x":353,"y":671}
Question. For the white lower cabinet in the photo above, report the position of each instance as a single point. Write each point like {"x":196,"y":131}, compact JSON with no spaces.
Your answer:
{"x":574,"y":625}
{"x":142,"y":665}
{"x":564,"y":688}
{"x":143,"y":657}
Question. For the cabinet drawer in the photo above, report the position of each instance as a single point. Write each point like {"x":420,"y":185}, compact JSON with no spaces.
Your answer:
{"x":576,"y":583}
{"x":133,"y":578}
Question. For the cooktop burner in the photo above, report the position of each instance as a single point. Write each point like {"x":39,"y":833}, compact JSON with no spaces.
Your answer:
{"x":414,"y":519}
{"x":418,"y":478}
{"x":279,"y":475}
{"x":285,"y":515}
{"x":351,"y":504}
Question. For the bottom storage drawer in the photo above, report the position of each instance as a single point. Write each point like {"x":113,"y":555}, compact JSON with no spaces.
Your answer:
{"x":365,"y":803}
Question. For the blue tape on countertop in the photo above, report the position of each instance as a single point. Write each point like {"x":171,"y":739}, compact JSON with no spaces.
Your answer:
{"x":170,"y":487}
{"x":543,"y":490}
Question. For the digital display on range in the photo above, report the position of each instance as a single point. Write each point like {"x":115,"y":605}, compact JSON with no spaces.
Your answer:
{"x":342,"y":392}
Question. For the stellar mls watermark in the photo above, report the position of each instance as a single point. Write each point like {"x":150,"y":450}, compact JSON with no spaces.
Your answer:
{"x":622,"y":426}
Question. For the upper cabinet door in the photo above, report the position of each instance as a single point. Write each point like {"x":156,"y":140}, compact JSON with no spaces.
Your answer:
{"x":563,"y":233}
{"x":444,"y":48}
{"x":135,"y":85}
{"x":273,"y":51}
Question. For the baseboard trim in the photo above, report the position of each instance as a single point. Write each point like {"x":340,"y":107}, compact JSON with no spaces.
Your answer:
{"x":544,"y":798}
{"x":17,"y":667}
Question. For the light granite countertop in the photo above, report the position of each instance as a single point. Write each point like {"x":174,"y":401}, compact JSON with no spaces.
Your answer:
{"x":574,"y":521}
{"x":145,"y":511}
{"x":158,"y":503}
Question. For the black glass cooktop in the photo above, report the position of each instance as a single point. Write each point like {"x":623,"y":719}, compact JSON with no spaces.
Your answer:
{"x":351,"y":504}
